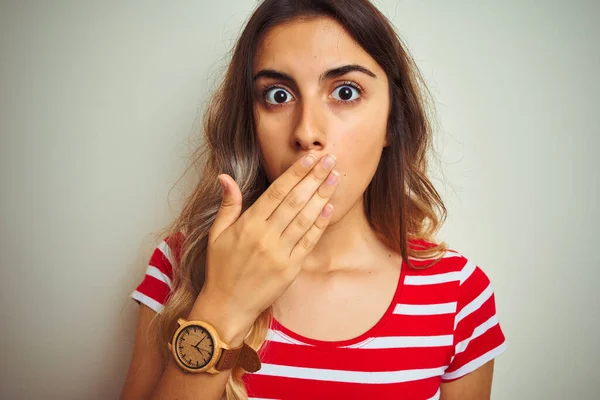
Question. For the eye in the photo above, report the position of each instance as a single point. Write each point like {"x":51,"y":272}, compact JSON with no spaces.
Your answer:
{"x":346,"y":93}
{"x":277,"y":95}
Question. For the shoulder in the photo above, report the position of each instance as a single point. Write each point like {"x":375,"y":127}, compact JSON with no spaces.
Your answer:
{"x":458,"y":288}
{"x":449,"y":266}
{"x":156,"y":286}
{"x":464,"y":281}
{"x":167,"y":253}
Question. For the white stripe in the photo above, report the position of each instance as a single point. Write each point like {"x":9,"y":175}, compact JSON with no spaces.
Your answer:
{"x":360,"y":344}
{"x":425,"y":309}
{"x":259,"y":398}
{"x":150,"y":302}
{"x":476,"y":363}
{"x":473,"y":305}
{"x":349,"y":376}
{"x":467,"y":270}
{"x":278,"y":336}
{"x":451,"y":254}
{"x":432,"y":279}
{"x":447,"y":254}
{"x":436,"y":396}
{"x":158,"y":274}
{"x":166,"y":250}
{"x":480,"y":330}
{"x":461,"y":276}
{"x":400,"y":342}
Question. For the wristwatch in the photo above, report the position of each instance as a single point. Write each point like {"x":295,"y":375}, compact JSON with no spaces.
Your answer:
{"x":197,"y":347}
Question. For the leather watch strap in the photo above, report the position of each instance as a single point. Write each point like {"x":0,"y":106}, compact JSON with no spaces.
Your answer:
{"x":249,"y":359}
{"x":244,"y":356}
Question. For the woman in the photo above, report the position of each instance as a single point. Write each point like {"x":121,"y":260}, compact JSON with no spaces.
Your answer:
{"x":318,"y":253}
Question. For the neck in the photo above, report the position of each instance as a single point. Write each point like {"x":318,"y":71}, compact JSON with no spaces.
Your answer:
{"x":349,"y":243}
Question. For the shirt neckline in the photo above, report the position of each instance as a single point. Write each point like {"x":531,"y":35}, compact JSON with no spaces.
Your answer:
{"x":358,"y":340}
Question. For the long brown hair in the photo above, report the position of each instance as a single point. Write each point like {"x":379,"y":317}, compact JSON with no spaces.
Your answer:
{"x":401,"y":204}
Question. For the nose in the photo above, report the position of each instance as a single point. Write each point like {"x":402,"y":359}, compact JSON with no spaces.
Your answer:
{"x":309,"y":133}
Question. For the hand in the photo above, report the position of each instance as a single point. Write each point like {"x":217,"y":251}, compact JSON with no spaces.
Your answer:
{"x":253,"y":258}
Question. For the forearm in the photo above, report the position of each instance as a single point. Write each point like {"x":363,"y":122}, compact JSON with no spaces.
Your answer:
{"x":175,"y":384}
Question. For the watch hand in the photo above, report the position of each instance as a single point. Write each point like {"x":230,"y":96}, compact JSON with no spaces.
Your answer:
{"x":199,"y":350}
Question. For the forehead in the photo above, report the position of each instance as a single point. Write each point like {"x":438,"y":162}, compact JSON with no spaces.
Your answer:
{"x":310,"y":46}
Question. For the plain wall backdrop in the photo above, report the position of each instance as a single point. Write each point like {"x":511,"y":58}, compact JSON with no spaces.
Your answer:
{"x":100,"y":103}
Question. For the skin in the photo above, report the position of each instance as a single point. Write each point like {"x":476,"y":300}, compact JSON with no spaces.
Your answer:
{"x":303,"y":113}
{"x":314,"y":119}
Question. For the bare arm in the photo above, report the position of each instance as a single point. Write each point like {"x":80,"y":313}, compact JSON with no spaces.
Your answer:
{"x":149,"y":379}
{"x":146,"y":365}
{"x":474,"y":386}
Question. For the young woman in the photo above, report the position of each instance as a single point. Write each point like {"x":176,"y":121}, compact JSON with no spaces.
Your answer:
{"x":309,"y":236}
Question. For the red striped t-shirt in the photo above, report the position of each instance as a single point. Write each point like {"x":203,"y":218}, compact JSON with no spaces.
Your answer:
{"x":440,"y":325}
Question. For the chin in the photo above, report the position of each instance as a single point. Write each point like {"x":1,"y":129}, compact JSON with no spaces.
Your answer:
{"x":338,"y":214}
{"x":339,"y":210}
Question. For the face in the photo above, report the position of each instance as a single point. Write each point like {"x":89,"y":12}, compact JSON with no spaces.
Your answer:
{"x":316,"y":90}
{"x":195,"y":347}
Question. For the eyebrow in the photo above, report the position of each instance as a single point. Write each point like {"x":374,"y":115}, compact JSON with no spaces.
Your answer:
{"x":329,"y":74}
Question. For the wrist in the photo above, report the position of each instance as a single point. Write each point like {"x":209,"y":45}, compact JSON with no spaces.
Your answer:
{"x":229,"y":324}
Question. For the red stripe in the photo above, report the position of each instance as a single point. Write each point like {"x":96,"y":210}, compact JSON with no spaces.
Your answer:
{"x":468,"y":324}
{"x":302,"y":389}
{"x":155,"y":289}
{"x":478,"y":347}
{"x":160,"y":261}
{"x":472,"y":287}
{"x":418,"y":325}
{"x":445,"y":265}
{"x":430,"y":294}
{"x":175,"y":242}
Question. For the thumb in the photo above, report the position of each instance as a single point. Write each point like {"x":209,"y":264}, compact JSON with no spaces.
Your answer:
{"x":231,"y":206}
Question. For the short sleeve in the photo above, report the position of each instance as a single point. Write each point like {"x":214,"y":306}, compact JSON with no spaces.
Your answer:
{"x":156,"y":285}
{"x":478,"y":337}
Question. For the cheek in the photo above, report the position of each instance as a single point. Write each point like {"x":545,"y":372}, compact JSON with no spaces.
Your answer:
{"x":357,"y":164}
{"x":362,"y":140}
{"x":359,"y":151}
{"x":272,"y":138}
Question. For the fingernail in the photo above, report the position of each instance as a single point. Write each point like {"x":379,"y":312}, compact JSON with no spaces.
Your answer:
{"x":328,"y":161}
{"x":327,"y":210}
{"x":309,"y":160}
{"x":332,"y":178}
{"x":223,"y":184}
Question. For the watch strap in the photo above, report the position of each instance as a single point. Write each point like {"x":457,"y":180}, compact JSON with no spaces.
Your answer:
{"x":244,"y":356}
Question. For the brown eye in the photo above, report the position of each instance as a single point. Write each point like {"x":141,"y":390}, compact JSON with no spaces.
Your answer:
{"x":277,"y":96}
{"x":346,"y":93}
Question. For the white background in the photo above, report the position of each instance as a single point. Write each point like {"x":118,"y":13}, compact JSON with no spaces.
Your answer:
{"x":100,"y":105}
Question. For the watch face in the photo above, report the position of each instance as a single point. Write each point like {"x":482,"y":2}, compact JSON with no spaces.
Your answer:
{"x":195,"y":346}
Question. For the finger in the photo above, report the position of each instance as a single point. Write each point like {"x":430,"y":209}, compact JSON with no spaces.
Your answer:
{"x":230,"y":209}
{"x":264,"y":206}
{"x":300,"y":195}
{"x":310,"y":239}
{"x":309,"y":214}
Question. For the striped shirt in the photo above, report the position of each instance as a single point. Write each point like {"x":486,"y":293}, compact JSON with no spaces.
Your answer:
{"x":440,"y":325}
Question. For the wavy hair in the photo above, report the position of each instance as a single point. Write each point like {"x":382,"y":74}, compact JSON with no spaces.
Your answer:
{"x":401,"y":204}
